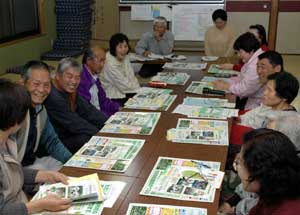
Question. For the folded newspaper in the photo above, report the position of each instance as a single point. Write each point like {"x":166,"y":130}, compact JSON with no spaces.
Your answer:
{"x":182,"y":66}
{"x":215,"y":69}
{"x":184,"y":179}
{"x":206,"y":112}
{"x":85,"y":192}
{"x":142,"y":123}
{"x":211,"y":132}
{"x":208,"y":102}
{"x":148,"y":98}
{"x":173,"y":78}
{"x":196,"y":87}
{"x":151,"y":209}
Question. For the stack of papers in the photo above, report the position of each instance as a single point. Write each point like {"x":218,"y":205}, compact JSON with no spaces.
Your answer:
{"x":206,"y":112}
{"x":211,"y":132}
{"x":86,"y":192}
{"x":148,"y":209}
{"x":214,"y":69}
{"x":182,"y":179}
{"x":131,"y":123}
{"x":175,"y":78}
{"x":208,"y":102}
{"x":111,"y":191}
{"x":106,"y":153}
{"x":196,"y":87}
{"x":151,"y":99}
{"x":185,"y":66}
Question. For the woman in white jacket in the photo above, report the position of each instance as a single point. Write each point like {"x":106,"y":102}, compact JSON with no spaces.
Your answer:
{"x":118,"y":77}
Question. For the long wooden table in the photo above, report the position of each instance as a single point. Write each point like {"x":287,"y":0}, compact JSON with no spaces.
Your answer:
{"x":156,"y":145}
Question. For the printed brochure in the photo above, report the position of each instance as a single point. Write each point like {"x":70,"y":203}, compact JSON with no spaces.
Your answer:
{"x":183,"y":179}
{"x":142,"y":123}
{"x":107,"y":153}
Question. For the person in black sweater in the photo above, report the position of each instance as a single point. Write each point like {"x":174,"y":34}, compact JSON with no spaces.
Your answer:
{"x":74,"y":119}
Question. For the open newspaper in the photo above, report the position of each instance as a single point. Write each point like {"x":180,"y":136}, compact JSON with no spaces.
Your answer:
{"x":206,"y":112}
{"x":208,"y":102}
{"x":107,"y":153}
{"x":183,"y":179}
{"x":185,"y":66}
{"x":196,"y":87}
{"x":173,"y":78}
{"x":142,"y":123}
{"x":212,"y":132}
{"x":215,"y":69}
{"x":151,"y":209}
{"x":111,"y":191}
{"x":151,"y":99}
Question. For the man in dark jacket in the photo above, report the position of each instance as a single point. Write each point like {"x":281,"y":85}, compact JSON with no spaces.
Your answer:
{"x":74,"y":119}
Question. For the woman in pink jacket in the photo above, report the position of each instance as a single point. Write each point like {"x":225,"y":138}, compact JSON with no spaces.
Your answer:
{"x":246,"y":84}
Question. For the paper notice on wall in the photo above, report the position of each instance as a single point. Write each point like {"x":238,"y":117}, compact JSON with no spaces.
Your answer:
{"x":190,"y":22}
{"x":141,"y":12}
{"x":147,"y":12}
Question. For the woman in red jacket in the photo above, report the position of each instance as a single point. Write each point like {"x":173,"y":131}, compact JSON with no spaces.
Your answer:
{"x":269,"y":166}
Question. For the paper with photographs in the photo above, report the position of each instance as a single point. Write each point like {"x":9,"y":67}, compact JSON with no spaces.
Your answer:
{"x":142,"y":123}
{"x":84,"y":189}
{"x":173,"y":78}
{"x":196,"y":87}
{"x":205,"y":112}
{"x":185,"y":66}
{"x":212,"y":79}
{"x":208,"y":102}
{"x":215,"y":69}
{"x":183,"y":179}
{"x":148,"y":98}
{"x":106,"y":153}
{"x":211,"y":132}
{"x":111,"y":191}
{"x":151,"y":209}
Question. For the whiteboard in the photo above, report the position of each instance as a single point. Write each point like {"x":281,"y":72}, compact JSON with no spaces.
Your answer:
{"x":190,"y":21}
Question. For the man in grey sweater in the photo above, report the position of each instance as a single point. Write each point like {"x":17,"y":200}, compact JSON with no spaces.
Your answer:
{"x":160,"y":42}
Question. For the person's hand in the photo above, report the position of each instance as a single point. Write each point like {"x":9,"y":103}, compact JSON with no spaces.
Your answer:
{"x":226,"y":66}
{"x":49,"y":203}
{"x":51,"y":177}
{"x":146,"y":53}
{"x":221,"y":85}
{"x":226,"y":208}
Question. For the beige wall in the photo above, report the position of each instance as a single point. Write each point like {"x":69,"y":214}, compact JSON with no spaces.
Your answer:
{"x":109,"y":20}
{"x":288,"y":33}
{"x":242,"y":20}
